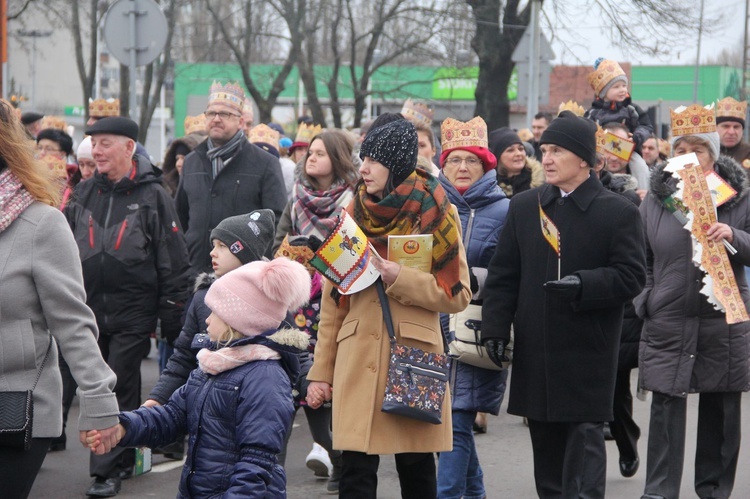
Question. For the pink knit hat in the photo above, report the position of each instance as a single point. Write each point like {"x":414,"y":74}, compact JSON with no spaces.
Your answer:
{"x":256,"y":297}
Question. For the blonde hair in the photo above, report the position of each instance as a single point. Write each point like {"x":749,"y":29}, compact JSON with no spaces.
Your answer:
{"x":17,"y":154}
{"x":227,"y":336}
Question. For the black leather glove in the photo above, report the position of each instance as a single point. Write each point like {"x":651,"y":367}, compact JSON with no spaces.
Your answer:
{"x":496,"y":351}
{"x":170,"y":314}
{"x":568,"y":287}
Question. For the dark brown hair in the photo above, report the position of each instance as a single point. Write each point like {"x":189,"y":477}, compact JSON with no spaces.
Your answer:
{"x":338,"y":146}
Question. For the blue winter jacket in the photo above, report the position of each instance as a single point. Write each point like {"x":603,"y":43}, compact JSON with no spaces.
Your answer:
{"x":482,"y":210}
{"x":237,"y":422}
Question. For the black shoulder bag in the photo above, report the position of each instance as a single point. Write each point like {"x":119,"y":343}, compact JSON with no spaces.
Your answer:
{"x":17,"y":413}
{"x":417,"y":380}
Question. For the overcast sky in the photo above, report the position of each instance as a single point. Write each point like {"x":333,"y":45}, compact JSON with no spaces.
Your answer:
{"x":586,"y":41}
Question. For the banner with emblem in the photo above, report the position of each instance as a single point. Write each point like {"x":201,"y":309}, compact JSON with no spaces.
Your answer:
{"x":693,"y":191}
{"x":344,"y":257}
{"x":551,"y":234}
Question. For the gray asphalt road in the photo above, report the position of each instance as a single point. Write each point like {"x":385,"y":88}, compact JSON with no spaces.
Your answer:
{"x":505,"y":454}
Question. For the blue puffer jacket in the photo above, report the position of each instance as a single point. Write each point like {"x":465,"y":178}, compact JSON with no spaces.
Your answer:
{"x":237,"y":421}
{"x":482,"y":210}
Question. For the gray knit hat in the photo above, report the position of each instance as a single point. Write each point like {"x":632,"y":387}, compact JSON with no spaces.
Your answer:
{"x":247,"y":236}
{"x":394,"y":145}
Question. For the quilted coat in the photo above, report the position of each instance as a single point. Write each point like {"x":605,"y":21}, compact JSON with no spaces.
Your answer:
{"x":686,"y":345}
{"x":482,"y":210}
{"x":237,"y":421}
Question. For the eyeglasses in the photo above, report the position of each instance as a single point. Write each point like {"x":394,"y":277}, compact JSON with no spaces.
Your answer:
{"x":47,"y":149}
{"x":222,"y":115}
{"x":456,"y":162}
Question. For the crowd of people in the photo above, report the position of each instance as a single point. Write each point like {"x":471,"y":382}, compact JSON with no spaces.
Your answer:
{"x":567,"y":243}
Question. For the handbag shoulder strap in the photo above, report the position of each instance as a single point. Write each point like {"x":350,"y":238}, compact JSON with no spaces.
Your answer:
{"x":389,"y":320}
{"x":44,"y":361}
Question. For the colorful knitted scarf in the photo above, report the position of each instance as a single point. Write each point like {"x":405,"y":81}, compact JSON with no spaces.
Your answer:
{"x":314,"y":213}
{"x":14,"y":198}
{"x":417,"y":206}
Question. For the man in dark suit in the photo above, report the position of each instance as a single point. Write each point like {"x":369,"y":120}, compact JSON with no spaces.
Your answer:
{"x":566,"y":307}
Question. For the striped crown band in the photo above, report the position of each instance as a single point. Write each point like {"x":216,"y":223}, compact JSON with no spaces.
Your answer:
{"x":230,"y":95}
{"x":418,"y":113}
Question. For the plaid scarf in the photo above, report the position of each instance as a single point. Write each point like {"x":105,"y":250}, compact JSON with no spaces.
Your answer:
{"x":417,"y":206}
{"x":314,"y":213}
{"x":218,"y":155}
{"x":14,"y":198}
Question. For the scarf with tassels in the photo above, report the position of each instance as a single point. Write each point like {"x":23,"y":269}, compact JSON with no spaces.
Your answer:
{"x":14,"y":198}
{"x":418,"y":205}
{"x":219,"y":155}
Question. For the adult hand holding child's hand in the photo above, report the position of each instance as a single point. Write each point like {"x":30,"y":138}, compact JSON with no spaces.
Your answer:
{"x":318,"y":393}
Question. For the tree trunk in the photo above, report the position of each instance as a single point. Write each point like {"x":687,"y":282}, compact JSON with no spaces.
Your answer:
{"x":307,"y":75}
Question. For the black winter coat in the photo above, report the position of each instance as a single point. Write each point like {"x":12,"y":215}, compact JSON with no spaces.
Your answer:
{"x":182,"y":362}
{"x":565,"y":352}
{"x":250,"y":181}
{"x":132,"y":250}
{"x":626,"y":113}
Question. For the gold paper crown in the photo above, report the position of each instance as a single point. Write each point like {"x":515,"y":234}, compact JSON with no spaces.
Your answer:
{"x":55,"y":163}
{"x":54,"y":122}
{"x":600,"y":141}
{"x":525,"y":134}
{"x":230,"y":95}
{"x":264,"y":133}
{"x":305,"y":134}
{"x":731,"y":108}
{"x":101,"y":108}
{"x":195,"y":124}
{"x":692,"y":120}
{"x":603,"y":74}
{"x":455,"y":134}
{"x":665,"y":148}
{"x":417,"y":112}
{"x":247,"y":107}
{"x":571,"y":106}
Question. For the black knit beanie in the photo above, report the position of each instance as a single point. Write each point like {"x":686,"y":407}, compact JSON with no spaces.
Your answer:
{"x":577,"y":135}
{"x":395,"y":146}
{"x":501,"y":139}
{"x":247,"y":236}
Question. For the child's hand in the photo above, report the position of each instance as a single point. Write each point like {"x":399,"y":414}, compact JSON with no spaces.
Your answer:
{"x":102,"y":441}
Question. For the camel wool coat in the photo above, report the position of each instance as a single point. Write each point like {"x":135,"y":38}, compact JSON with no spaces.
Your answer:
{"x":353,"y":352}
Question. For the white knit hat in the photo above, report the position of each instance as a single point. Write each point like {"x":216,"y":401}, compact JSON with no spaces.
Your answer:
{"x":85,"y":149}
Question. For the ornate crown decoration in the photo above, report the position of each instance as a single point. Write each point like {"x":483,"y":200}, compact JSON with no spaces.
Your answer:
{"x":195,"y":124}
{"x":603,"y":74}
{"x":54,"y":122}
{"x":692,"y":120}
{"x":665,"y":148}
{"x":418,"y":113}
{"x":731,"y":108}
{"x":247,"y":108}
{"x":305,"y":134}
{"x":571,"y":106}
{"x":600,"y":140}
{"x":55,"y":163}
{"x":454,"y":133}
{"x":265,"y":134}
{"x":102,"y":108}
{"x":230,"y":95}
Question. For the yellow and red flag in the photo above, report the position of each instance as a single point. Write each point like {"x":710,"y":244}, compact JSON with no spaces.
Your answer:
{"x":549,"y":230}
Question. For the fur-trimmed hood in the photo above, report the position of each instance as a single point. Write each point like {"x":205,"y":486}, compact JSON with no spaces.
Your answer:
{"x":204,"y":281}
{"x":663,"y":184}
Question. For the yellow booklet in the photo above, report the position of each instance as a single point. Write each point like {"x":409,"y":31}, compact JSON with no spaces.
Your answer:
{"x":414,"y":251}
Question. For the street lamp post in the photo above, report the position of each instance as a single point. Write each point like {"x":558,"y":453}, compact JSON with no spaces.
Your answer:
{"x":33,"y":34}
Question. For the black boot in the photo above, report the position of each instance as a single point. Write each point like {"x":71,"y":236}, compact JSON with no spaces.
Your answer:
{"x":335,"y":478}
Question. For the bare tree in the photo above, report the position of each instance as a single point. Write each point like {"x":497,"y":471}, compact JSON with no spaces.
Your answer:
{"x":241,"y":29}
{"x":638,"y":26}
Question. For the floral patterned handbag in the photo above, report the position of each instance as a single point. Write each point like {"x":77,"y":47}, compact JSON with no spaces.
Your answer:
{"x":417,"y":380}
